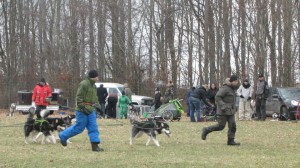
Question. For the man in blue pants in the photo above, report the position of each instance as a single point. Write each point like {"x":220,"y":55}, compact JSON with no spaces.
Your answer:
{"x":87,"y":102}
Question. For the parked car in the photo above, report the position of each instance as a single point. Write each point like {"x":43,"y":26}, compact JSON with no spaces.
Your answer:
{"x":282,"y":100}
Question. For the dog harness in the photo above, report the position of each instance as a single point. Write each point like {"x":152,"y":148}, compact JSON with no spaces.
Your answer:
{"x":40,"y":122}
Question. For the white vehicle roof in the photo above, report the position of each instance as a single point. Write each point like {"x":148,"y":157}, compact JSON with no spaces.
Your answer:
{"x":108,"y":84}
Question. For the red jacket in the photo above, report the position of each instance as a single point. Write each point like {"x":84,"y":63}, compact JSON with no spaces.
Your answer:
{"x":40,"y":93}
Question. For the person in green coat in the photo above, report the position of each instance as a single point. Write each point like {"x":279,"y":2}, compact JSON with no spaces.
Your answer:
{"x":87,"y":104}
{"x":123,"y":102}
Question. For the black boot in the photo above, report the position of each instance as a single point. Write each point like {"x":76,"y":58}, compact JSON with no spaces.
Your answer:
{"x":231,"y":142}
{"x":204,"y":133}
{"x":96,"y":148}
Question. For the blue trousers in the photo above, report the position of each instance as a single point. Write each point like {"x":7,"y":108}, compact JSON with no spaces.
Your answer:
{"x":83,"y":121}
{"x":194,"y":106}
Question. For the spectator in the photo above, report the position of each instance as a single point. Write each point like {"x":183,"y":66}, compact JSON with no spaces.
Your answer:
{"x":157,"y":98}
{"x":261,"y":95}
{"x":102,"y":94}
{"x":211,"y":94}
{"x":225,"y":111}
{"x":112,"y":101}
{"x":187,"y":100}
{"x":87,"y":102}
{"x":123,"y":102}
{"x":128,"y":91}
{"x":196,"y":96}
{"x":41,"y":96}
{"x":169,"y":94}
{"x":245,"y":92}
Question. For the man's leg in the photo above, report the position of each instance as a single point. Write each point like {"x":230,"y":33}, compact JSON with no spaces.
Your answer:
{"x":258,"y":108}
{"x":93,"y":132}
{"x":81,"y":122}
{"x":192,"y":110}
{"x":247,"y":111}
{"x":231,"y":131}
{"x":92,"y":128}
{"x":263,"y":109}
{"x":221,"y":119}
{"x":103,"y":110}
{"x":241,"y":110}
{"x":198,"y":110}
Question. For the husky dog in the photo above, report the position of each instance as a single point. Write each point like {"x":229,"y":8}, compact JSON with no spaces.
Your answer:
{"x":38,"y":125}
{"x":58,"y":124}
{"x":151,"y":128}
{"x":12,"y":110}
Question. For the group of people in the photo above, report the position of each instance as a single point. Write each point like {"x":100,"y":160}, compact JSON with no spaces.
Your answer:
{"x":224,"y":100}
{"x":89,"y":99}
{"x":112,"y":101}
{"x":169,"y":95}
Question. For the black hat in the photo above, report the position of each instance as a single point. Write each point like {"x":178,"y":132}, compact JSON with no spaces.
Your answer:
{"x":261,"y":75}
{"x":123,"y":92}
{"x":93,"y":73}
{"x":246,"y":80}
{"x":43,"y":80}
{"x":233,"y":78}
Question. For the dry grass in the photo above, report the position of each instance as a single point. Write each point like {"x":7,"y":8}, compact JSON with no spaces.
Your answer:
{"x":264,"y":144}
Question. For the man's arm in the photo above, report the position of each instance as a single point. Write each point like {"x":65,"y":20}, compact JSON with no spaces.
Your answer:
{"x":219,"y":99}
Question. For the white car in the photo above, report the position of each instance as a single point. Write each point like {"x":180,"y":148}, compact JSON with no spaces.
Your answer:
{"x":142,"y":102}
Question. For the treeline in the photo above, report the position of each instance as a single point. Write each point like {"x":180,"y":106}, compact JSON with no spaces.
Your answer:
{"x":146,"y":43}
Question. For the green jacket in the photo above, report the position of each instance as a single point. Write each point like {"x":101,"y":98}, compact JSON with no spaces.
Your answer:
{"x":124,"y":101}
{"x":86,"y":96}
{"x":225,"y":100}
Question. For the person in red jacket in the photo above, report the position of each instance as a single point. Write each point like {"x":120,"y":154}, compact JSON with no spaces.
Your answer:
{"x":41,"y":91}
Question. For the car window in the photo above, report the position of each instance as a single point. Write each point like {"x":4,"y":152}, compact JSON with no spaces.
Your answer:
{"x":113,"y":90}
{"x":290,"y":93}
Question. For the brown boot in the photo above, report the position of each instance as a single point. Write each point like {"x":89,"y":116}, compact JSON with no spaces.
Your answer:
{"x":96,"y":148}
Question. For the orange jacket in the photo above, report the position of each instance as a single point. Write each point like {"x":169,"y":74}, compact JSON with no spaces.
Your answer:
{"x":40,"y":93}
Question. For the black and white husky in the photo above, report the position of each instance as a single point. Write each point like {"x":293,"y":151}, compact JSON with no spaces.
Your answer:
{"x":38,"y":125}
{"x":151,"y":128}
{"x":57,"y":125}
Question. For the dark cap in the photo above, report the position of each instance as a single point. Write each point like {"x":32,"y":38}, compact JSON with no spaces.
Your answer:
{"x":261,"y":75}
{"x":43,"y":80}
{"x":93,"y":74}
{"x":123,"y":92}
{"x":246,"y":80}
{"x":233,"y":78}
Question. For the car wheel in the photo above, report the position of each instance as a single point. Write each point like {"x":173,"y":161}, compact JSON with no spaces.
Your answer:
{"x":283,"y":111}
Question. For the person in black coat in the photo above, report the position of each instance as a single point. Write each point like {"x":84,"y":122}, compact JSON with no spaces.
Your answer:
{"x":195,"y":99}
{"x":157,"y":98}
{"x":211,"y":94}
{"x":102,"y":94}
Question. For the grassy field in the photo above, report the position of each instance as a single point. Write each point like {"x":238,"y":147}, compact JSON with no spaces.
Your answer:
{"x":263,"y":144}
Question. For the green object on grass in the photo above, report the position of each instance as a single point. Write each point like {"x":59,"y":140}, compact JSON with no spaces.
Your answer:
{"x":173,"y":106}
